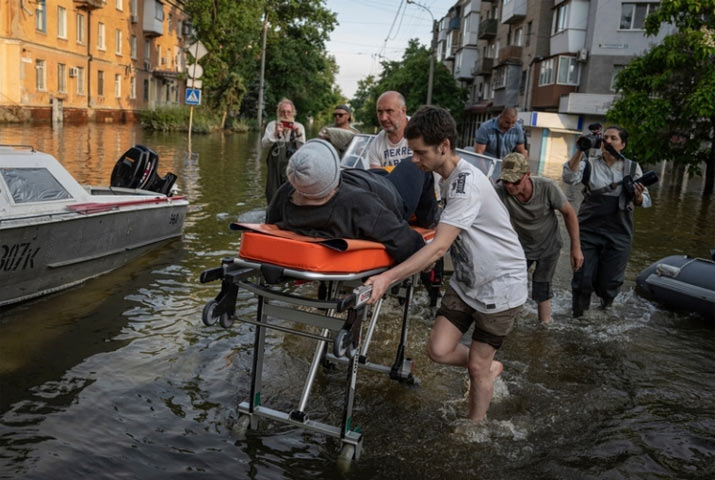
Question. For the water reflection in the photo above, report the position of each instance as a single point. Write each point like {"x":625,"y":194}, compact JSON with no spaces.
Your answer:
{"x":119,"y":376}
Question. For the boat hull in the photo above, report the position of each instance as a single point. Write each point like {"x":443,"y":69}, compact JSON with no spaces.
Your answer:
{"x":681,"y":282}
{"x":50,"y":254}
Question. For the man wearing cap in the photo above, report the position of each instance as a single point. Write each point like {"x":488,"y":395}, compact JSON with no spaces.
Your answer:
{"x":340,"y":132}
{"x":320,"y":200}
{"x":531,"y":202}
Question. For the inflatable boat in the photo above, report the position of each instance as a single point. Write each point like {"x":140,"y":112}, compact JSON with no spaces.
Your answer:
{"x":681,"y":282}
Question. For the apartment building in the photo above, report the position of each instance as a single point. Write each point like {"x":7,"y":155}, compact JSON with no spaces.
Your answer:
{"x":555,"y":60}
{"x":79,"y":60}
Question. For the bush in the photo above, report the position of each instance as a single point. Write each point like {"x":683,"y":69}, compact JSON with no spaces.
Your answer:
{"x":176,"y":118}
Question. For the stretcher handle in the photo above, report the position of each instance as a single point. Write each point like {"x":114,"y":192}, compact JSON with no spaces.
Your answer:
{"x":359,"y":296}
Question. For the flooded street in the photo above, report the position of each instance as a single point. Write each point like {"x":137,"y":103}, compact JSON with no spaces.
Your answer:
{"x":120,"y":378}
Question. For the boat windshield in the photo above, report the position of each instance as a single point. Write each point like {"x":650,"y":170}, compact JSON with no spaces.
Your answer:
{"x":27,"y":185}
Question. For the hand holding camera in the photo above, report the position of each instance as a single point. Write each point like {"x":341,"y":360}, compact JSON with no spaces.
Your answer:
{"x":593,"y":140}
{"x":629,"y":185}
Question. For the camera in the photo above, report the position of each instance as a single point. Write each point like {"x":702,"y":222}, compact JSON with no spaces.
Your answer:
{"x":287,"y":125}
{"x":629,"y":185}
{"x":593,"y":140}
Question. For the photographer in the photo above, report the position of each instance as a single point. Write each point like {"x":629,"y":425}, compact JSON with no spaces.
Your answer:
{"x":282,"y":137}
{"x":605,"y":216}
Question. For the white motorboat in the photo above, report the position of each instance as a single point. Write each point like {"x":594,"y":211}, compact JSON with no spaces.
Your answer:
{"x":56,"y":233}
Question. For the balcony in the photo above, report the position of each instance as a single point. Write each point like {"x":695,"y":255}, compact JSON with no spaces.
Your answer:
{"x":483,"y":66}
{"x":153,"y":18}
{"x":510,"y":53}
{"x":488,"y":28}
{"x":454,"y":23}
{"x":513,"y":11}
{"x":88,"y":4}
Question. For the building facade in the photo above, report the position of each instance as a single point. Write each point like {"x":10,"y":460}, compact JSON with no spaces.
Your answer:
{"x":79,"y":60}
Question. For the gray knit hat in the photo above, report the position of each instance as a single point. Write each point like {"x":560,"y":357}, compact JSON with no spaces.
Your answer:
{"x":314,"y":170}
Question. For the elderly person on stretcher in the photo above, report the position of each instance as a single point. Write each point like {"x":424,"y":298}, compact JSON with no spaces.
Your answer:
{"x":320,"y":200}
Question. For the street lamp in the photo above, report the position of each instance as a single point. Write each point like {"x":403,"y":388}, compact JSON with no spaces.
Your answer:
{"x":432,"y":50}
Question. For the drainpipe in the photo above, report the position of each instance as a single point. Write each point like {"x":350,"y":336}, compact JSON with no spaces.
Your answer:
{"x":529,"y":73}
{"x":89,"y":61}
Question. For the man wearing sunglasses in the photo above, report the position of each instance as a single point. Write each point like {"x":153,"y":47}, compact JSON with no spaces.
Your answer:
{"x":340,"y":132}
{"x":532,"y":202}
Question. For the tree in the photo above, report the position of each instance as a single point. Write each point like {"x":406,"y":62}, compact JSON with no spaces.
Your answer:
{"x":666,"y":98}
{"x":409,"y":76}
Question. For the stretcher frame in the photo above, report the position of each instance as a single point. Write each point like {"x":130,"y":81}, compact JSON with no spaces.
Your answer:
{"x":345,"y":334}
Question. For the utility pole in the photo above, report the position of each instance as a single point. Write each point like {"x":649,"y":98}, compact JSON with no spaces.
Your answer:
{"x":433,"y":49}
{"x":263,"y":70}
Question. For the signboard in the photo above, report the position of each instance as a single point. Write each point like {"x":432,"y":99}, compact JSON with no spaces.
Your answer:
{"x":197,"y":49}
{"x":193,"y":83}
{"x":193,"y":96}
{"x":195,"y":70}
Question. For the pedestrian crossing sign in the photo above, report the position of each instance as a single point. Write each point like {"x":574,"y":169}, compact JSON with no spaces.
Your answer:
{"x":193,"y":96}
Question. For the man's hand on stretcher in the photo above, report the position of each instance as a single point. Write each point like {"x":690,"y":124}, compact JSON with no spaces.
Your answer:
{"x":420,"y":260}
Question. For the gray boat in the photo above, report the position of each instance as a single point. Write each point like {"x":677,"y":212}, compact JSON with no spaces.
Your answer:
{"x":56,"y":233}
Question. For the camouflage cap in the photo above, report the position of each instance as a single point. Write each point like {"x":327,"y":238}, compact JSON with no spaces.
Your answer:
{"x":513,"y":167}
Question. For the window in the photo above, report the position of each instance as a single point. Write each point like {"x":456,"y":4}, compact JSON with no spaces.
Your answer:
{"x":118,"y":42}
{"x":499,"y":77}
{"x":134,"y":7}
{"x":80,"y":80}
{"x":518,"y":37}
{"x":117,"y":85}
{"x":40,"y":75}
{"x":119,"y":4}
{"x":146,"y":89}
{"x":28,"y":185}
{"x":561,"y":18}
{"x":61,"y":78}
{"x":568,"y":71}
{"x":100,"y":83}
{"x":133,"y":46}
{"x":546,"y":73}
{"x":41,"y":16}
{"x":158,"y":11}
{"x":133,"y":88}
{"x":80,"y":28}
{"x":100,"y":37}
{"x":147,"y":51}
{"x":61,"y":22}
{"x":616,"y":70}
{"x":633,"y":15}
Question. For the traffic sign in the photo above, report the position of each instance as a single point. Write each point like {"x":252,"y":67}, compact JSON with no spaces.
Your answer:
{"x":193,"y":83}
{"x":193,"y":96}
{"x":195,"y":70}
{"x":197,"y":49}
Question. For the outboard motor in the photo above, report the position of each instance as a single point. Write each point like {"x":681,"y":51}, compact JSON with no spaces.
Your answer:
{"x":137,"y":169}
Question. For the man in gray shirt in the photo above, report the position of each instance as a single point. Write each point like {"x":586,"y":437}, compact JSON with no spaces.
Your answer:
{"x":531,"y":202}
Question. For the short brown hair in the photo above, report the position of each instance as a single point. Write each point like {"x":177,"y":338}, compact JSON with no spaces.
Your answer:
{"x":434,"y":125}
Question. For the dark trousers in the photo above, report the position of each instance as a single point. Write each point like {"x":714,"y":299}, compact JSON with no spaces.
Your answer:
{"x":605,"y":256}
{"x":417,"y":191}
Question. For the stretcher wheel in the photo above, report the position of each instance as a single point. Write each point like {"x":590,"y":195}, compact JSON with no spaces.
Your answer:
{"x":208,"y":317}
{"x":347,"y":453}
{"x":342,"y":345}
{"x":241,"y":427}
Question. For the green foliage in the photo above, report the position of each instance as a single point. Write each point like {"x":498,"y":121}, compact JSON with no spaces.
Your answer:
{"x":666,"y":97}
{"x":410,"y":76}
{"x":297,"y":64}
{"x":176,"y":118}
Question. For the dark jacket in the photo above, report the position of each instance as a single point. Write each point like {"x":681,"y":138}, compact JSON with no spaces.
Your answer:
{"x":366,"y":206}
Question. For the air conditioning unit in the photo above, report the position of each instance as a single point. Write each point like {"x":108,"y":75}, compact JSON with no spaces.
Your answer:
{"x":147,"y":65}
{"x":135,"y":18}
{"x":74,"y":71}
{"x":582,"y":55}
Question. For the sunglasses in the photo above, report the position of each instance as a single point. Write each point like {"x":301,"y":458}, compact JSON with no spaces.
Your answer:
{"x":338,"y":115}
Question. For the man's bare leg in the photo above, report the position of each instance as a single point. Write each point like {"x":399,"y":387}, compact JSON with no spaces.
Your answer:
{"x":483,"y":370}
{"x":545,"y":312}
{"x":444,"y":344}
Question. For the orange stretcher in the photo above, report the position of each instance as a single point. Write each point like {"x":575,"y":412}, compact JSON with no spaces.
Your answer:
{"x":270,"y":259}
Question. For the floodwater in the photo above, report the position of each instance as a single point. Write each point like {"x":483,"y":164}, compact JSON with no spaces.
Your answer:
{"x":120,"y":378}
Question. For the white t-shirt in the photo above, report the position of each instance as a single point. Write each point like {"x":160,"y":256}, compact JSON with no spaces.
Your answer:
{"x":384,"y":153}
{"x":489,"y":263}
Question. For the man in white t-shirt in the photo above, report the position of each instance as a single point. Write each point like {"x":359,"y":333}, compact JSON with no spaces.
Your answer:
{"x":489,"y":284}
{"x":390,"y":146}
